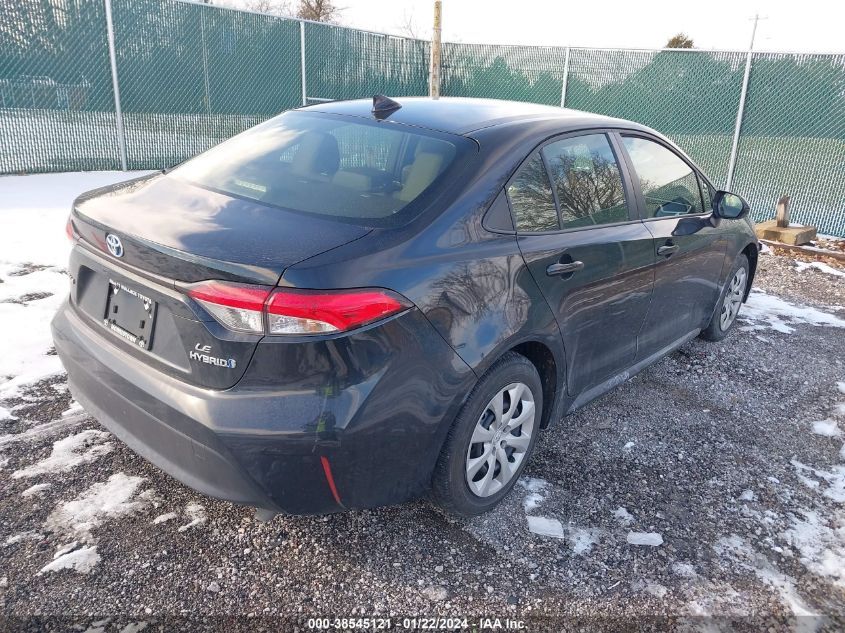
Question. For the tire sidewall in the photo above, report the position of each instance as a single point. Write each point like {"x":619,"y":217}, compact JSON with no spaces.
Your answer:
{"x":514,"y":369}
{"x":714,"y":331}
{"x":742,"y":262}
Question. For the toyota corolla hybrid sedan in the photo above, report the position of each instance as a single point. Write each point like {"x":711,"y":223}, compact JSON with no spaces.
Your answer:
{"x":358,"y":303}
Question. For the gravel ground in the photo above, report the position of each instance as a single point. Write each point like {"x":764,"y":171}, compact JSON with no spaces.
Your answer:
{"x":710,"y":455}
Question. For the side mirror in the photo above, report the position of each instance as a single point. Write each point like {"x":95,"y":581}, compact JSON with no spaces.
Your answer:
{"x":729,"y":205}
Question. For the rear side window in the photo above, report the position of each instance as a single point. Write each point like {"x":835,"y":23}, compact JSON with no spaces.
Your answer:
{"x":669,"y":184}
{"x":343,"y":167}
{"x":587,"y":181}
{"x":531,"y":198}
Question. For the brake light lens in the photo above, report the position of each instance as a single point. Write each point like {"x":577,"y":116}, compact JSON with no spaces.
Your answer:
{"x":318,"y":312}
{"x":274,"y":311}
{"x":69,"y":228}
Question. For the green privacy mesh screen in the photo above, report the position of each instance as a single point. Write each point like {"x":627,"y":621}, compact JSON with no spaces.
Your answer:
{"x":56,"y":100}
{"x":344,"y":63}
{"x":191,"y":75}
{"x":520,"y":73}
{"x":793,"y":139}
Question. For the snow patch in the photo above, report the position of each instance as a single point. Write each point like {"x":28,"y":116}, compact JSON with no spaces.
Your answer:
{"x":622,"y":515}
{"x":81,"y":560}
{"x":102,"y":501}
{"x":628,"y":446}
{"x":649,"y":586}
{"x":582,"y":539}
{"x":765,"y":311}
{"x":35,"y":490}
{"x":73,"y":409}
{"x":162,"y":518}
{"x":644,"y":538}
{"x":534,"y":488}
{"x":828,"y":428}
{"x":65,"y":549}
{"x":68,"y":453}
{"x":685,"y":570}
{"x":820,"y":266}
{"x":544,"y":526}
{"x":196,"y":514}
{"x":736,"y":548}
{"x":748,"y":495}
{"x":821,"y":547}
{"x":841,"y":386}
{"x":835,"y":478}
{"x":29,"y":535}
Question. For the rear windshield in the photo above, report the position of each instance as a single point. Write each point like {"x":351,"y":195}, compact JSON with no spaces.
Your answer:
{"x":344,"y":167}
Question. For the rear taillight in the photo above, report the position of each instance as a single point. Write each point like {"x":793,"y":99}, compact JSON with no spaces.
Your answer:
{"x":69,"y":228}
{"x":317,"y":312}
{"x":282,"y":311}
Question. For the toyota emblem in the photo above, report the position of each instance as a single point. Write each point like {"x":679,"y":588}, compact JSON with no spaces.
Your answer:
{"x":115,"y":245}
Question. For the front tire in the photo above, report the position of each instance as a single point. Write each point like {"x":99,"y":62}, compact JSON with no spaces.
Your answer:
{"x":730,"y":301}
{"x":491,"y":439}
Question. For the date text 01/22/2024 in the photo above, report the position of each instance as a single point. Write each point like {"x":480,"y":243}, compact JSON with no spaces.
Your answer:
{"x":418,"y":623}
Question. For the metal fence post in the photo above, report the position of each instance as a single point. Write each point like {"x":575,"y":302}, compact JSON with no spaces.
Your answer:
{"x":118,"y":113}
{"x":205,"y":62}
{"x":302,"y":62}
{"x":565,"y":78}
{"x":738,"y":127}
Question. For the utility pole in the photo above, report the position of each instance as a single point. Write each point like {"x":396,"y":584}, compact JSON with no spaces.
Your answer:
{"x":755,"y":19}
{"x":434,"y":70}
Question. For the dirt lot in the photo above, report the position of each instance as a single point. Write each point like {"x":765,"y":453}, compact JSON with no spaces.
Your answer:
{"x":726,"y":460}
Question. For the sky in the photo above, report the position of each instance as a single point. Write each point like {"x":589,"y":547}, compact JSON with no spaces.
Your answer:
{"x":790,"y":25}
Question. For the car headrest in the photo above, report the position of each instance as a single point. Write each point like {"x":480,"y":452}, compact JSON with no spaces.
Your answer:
{"x":317,"y":156}
{"x":352,"y":180}
{"x":420,"y":175}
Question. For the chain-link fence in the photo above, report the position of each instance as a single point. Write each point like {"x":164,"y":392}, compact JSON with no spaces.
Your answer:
{"x":177,"y":77}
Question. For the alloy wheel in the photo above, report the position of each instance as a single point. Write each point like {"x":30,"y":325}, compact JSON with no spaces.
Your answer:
{"x":500,"y":440}
{"x":733,"y":299}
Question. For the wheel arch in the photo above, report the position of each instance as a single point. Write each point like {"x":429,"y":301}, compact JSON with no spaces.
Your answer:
{"x":550,"y":371}
{"x":751,"y":251}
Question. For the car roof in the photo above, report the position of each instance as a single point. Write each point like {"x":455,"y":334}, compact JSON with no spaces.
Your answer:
{"x":461,"y":115}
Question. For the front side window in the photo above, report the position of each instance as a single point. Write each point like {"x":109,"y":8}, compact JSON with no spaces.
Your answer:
{"x":587,"y":181}
{"x":669,"y":185}
{"x":341,"y":167}
{"x":531,"y":198}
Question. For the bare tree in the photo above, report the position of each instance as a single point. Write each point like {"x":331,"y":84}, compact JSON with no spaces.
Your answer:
{"x":680,"y":40}
{"x":273,"y":7}
{"x":409,"y":27}
{"x":318,"y":11}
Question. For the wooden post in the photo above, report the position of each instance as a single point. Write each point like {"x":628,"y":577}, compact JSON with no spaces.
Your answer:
{"x":782,"y":212}
{"x":434,"y":70}
{"x":778,"y":230}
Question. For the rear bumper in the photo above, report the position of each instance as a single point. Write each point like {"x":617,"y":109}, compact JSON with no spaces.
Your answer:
{"x":374,"y":406}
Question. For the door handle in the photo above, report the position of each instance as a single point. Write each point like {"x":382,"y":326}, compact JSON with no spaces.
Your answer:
{"x":667,"y":250}
{"x":562,"y":269}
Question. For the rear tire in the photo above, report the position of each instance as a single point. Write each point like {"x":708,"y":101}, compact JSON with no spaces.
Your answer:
{"x":730,"y":302}
{"x":491,"y":439}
